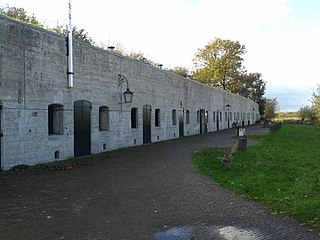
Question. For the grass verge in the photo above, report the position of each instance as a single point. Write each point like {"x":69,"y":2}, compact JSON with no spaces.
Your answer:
{"x":282,"y":172}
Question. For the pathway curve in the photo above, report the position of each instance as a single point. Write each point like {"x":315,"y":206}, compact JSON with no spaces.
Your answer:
{"x":146,"y":192}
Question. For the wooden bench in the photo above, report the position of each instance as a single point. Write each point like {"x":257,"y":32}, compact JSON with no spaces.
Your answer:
{"x":226,"y":157}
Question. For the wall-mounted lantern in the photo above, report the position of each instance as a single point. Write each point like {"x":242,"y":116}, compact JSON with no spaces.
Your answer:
{"x":127,"y":95}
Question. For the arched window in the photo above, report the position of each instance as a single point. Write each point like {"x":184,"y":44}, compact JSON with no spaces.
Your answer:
{"x":55,"y":119}
{"x":198,"y":117}
{"x":157,"y":117}
{"x":214,"y":116}
{"x":134,"y":117}
{"x":187,"y":117}
{"x":174,"y":117}
{"x":103,"y":118}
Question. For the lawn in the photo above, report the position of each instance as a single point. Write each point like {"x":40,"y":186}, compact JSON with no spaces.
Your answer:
{"x":282,"y":172}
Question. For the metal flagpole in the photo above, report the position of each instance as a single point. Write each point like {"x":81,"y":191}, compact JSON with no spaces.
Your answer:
{"x":70,"y":50}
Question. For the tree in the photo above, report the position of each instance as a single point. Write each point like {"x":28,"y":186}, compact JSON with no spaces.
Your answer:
{"x":252,"y":86}
{"x":139,"y":56}
{"x":121,"y":50}
{"x":180,"y":71}
{"x":218,"y":63}
{"x":307,"y":114}
{"x":78,"y":34}
{"x":271,"y":107}
{"x":20,"y":14}
{"x":315,"y":101}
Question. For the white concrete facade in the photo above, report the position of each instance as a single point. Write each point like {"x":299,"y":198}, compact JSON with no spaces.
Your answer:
{"x":33,"y":77}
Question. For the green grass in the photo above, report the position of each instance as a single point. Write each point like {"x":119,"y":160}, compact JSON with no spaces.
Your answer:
{"x":282,"y":172}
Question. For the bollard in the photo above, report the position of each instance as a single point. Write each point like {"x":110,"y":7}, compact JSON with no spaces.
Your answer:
{"x":242,"y":144}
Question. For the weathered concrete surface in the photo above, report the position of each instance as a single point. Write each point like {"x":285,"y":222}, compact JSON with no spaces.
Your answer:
{"x":33,"y":75}
{"x":146,"y":192}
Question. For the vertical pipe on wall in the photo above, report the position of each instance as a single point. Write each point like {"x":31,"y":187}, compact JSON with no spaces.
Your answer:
{"x":1,"y":134}
{"x":70,"y":50}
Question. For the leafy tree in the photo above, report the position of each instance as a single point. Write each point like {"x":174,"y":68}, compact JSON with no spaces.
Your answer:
{"x":287,"y":115}
{"x":218,"y":63}
{"x":252,"y":86}
{"x":315,"y":101}
{"x":20,"y":14}
{"x":307,"y":114}
{"x":78,"y":34}
{"x":139,"y":56}
{"x":120,"y":49}
{"x":271,"y":107}
{"x":180,"y":71}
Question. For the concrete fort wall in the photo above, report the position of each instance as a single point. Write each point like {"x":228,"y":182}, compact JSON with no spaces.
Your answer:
{"x":33,"y":76}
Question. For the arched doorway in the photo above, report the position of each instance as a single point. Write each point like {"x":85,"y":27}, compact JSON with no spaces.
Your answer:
{"x":181,"y":122}
{"x":203,"y":121}
{"x":218,"y":120}
{"x":146,"y":124}
{"x":82,"y":128}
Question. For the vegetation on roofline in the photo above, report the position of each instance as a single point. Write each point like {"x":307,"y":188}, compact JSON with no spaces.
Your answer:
{"x":218,"y":64}
{"x":20,"y":14}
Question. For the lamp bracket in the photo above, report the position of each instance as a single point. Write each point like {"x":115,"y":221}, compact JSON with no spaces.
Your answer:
{"x":122,"y":79}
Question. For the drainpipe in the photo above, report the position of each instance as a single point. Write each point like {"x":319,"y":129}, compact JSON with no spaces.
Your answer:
{"x":70,"y":50}
{"x":1,"y":135}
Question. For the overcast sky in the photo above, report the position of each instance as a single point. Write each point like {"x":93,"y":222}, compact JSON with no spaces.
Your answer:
{"x":281,"y":36}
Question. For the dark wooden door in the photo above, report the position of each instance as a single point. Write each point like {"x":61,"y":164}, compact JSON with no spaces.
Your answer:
{"x":146,"y":124}
{"x":181,"y":122}
{"x":203,"y":124}
{"x":218,"y":120}
{"x":82,"y":128}
{"x":1,"y":135}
